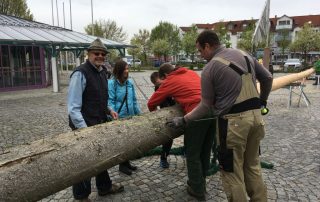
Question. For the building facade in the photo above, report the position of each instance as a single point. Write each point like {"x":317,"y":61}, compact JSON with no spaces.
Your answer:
{"x":278,"y":26}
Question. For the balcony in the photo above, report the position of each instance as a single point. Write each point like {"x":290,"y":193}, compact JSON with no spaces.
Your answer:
{"x":278,"y":27}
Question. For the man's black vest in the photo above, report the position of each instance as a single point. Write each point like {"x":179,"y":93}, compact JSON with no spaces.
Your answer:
{"x":95,"y":95}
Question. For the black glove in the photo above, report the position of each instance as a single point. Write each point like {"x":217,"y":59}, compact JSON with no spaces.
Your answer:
{"x":263,"y":103}
{"x":177,"y":123}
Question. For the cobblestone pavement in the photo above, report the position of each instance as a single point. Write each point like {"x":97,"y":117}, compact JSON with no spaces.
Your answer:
{"x":291,"y":144}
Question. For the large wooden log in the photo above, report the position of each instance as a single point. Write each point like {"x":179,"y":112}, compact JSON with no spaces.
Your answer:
{"x":32,"y":172}
{"x":283,"y":81}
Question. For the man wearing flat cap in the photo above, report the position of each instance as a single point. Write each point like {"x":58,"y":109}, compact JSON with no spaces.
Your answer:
{"x":87,"y":106}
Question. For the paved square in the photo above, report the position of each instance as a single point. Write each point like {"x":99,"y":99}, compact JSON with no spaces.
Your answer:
{"x":291,"y":144}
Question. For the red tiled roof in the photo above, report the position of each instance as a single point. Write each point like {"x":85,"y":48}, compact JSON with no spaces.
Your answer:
{"x":238,"y":24}
{"x":300,"y":20}
{"x":204,"y":26}
{"x":185,"y":29}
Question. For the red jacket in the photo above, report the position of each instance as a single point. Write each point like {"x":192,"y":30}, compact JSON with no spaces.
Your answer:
{"x":183,"y":85}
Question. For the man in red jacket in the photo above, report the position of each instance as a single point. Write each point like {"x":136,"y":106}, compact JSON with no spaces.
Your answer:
{"x":183,"y":86}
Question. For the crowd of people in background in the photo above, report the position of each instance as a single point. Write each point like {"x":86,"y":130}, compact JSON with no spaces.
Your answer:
{"x":95,"y":97}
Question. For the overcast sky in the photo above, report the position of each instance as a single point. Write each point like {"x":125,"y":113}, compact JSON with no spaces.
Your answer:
{"x":133,"y":15}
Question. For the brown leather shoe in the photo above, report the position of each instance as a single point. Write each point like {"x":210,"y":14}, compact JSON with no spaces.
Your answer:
{"x":198,"y":196}
{"x":114,"y":189}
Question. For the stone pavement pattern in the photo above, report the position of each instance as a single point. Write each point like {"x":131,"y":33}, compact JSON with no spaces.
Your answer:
{"x":291,"y":144}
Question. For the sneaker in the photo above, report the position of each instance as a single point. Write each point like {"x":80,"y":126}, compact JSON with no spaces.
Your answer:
{"x":125,"y":170}
{"x":198,"y":196}
{"x":164,"y":163}
{"x":114,"y":189}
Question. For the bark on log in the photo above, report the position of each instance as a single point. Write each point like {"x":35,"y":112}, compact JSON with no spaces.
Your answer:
{"x":32,"y":172}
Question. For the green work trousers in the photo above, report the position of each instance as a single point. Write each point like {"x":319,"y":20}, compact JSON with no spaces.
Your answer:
{"x":198,"y":141}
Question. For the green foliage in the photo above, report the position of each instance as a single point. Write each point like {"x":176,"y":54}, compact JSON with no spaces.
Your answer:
{"x":200,"y":65}
{"x":142,"y":43}
{"x":107,"y":29}
{"x":168,"y":32}
{"x":223,"y":35}
{"x":113,"y":55}
{"x":18,"y":8}
{"x":245,"y":42}
{"x":307,"y":40}
{"x":161,"y":47}
{"x":189,"y":41}
{"x":134,"y":51}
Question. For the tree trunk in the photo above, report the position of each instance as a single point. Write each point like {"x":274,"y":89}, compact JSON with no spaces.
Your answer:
{"x":282,"y":81}
{"x":32,"y":172}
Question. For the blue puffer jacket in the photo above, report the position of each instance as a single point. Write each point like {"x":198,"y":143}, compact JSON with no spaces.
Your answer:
{"x":117,"y":93}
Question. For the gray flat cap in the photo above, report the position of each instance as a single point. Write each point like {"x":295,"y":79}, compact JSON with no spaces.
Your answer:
{"x":98,"y":45}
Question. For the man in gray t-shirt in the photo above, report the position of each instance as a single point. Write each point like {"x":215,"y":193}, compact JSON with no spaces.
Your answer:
{"x":228,"y":92}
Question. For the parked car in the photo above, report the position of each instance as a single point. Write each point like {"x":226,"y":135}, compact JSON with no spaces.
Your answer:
{"x":293,"y":63}
{"x":135,"y":62}
{"x":184,"y":60}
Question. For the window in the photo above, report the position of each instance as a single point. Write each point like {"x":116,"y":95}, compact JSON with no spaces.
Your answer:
{"x":284,"y":22}
{"x":5,"y":73}
{"x":230,"y":27}
{"x":20,"y":66}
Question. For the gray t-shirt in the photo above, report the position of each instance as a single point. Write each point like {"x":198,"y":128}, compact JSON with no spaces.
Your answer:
{"x":221,"y":85}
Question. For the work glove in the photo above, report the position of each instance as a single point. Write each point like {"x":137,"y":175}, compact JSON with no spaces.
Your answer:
{"x":177,"y":123}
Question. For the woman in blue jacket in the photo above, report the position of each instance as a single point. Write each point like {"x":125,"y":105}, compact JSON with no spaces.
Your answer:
{"x":123,"y":100}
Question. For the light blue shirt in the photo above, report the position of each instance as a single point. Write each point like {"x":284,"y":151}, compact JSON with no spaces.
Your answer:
{"x":76,"y":87}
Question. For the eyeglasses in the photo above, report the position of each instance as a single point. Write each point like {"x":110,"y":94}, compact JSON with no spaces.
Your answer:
{"x":99,"y":53}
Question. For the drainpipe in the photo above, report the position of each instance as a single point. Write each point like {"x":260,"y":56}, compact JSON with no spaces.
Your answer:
{"x":55,"y":82}
{"x":78,"y":53}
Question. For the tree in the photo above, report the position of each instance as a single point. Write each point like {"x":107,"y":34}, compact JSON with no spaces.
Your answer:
{"x":161,"y":47}
{"x":245,"y":41}
{"x":168,"y":32}
{"x":223,"y":35}
{"x":107,"y":29}
{"x":18,"y":8}
{"x":307,"y":40}
{"x":283,"y":40}
{"x":142,"y":41}
{"x":135,"y":51}
{"x":189,"y":41}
